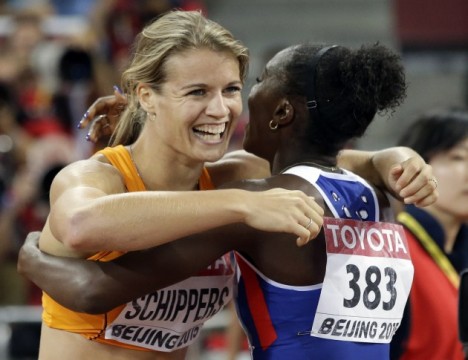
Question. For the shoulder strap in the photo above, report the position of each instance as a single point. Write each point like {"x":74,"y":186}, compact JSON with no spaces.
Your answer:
{"x":120,"y":158}
{"x":205,"y":182}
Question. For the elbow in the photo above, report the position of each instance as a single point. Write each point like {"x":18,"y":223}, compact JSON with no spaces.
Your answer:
{"x":76,"y":232}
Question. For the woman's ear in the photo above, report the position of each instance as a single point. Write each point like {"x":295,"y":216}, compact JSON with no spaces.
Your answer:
{"x":284,"y":113}
{"x":146,"y":97}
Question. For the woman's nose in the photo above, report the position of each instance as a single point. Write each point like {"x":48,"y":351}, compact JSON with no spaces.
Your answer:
{"x":217,"y":106}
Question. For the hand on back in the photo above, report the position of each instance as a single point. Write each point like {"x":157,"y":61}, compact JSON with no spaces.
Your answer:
{"x":288,"y":211}
{"x":103,"y":115}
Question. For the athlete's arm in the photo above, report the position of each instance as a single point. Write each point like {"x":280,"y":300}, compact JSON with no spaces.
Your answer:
{"x":97,"y":287}
{"x":90,"y":211}
{"x":398,"y":170}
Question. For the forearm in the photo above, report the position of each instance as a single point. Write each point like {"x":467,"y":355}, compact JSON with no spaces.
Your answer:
{"x":138,"y":273}
{"x":375,"y":166}
{"x":130,"y":221}
{"x":97,"y":287}
{"x":400,"y":171}
{"x":360,"y":163}
{"x":90,"y":286}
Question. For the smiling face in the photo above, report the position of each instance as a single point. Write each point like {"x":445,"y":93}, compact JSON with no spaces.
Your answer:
{"x":451,"y":170}
{"x":198,"y":105}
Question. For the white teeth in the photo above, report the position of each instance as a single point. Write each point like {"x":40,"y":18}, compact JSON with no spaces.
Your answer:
{"x":211,"y":129}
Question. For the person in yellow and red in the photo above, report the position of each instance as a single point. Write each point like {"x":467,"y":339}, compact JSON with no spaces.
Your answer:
{"x":438,"y":240}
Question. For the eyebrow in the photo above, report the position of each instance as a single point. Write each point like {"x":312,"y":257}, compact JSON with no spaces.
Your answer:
{"x":192,"y":86}
{"x":203,"y":85}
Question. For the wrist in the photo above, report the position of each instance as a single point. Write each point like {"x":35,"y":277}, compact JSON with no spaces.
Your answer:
{"x":239,"y":208}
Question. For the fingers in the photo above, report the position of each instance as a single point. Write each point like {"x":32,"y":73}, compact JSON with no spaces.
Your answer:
{"x":427,"y":200}
{"x":94,"y":129}
{"x":121,"y":98}
{"x":416,"y":183}
{"x":406,"y":173}
{"x":111,"y":106}
{"x":435,"y":182}
{"x":29,"y":248}
{"x":280,"y":210}
{"x":312,"y":223}
{"x":395,"y":174}
{"x":99,"y":127}
{"x":425,"y":195}
{"x":100,"y":107}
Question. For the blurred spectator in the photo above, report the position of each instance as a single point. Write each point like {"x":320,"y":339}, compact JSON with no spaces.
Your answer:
{"x":23,"y":162}
{"x":77,"y":89}
{"x":125,"y":18}
{"x":32,"y":6}
{"x":73,"y":7}
{"x":14,"y":144}
{"x":438,"y":240}
{"x":36,"y":103}
{"x":33,"y":215}
{"x":25,"y":208}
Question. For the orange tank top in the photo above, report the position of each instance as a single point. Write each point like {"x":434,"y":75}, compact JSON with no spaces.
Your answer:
{"x":93,"y":326}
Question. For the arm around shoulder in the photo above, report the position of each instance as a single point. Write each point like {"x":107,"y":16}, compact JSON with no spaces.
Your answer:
{"x":399,"y":170}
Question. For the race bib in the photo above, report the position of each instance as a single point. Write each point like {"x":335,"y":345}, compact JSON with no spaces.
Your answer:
{"x":367,"y":281}
{"x":171,"y":318}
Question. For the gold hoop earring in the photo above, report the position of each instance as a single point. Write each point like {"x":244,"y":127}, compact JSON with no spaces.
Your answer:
{"x":273,"y":125}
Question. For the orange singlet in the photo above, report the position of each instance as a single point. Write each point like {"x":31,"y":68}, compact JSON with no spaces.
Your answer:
{"x":166,"y":320}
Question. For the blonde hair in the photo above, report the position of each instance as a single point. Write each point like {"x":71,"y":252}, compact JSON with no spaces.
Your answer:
{"x":175,"y":32}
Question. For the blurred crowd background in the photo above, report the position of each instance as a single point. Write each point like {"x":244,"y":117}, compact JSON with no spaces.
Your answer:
{"x":58,"y":56}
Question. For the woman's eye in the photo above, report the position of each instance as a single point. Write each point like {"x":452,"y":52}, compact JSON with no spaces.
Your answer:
{"x":198,"y":92}
{"x":458,"y":157}
{"x":233,"y":89}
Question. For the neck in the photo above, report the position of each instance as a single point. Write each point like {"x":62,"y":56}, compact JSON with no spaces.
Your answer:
{"x":326,"y":163}
{"x":158,"y":171}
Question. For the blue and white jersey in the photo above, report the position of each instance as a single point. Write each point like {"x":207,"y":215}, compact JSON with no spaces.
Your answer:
{"x":278,"y":317}
{"x":347,"y":195}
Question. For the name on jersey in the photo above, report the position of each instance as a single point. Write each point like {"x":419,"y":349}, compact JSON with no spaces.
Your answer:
{"x":168,"y":319}
{"x":186,"y":305}
{"x":367,"y":238}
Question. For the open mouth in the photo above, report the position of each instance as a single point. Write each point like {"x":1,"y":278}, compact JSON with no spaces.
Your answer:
{"x":210,"y":132}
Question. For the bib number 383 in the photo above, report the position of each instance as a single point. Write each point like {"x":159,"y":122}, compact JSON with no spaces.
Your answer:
{"x":367,"y":281}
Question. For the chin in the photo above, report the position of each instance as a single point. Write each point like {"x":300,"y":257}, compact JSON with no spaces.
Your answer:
{"x":214,"y":155}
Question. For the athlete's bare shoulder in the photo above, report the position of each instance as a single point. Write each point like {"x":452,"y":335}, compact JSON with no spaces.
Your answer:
{"x":238,"y":165}
{"x":94,"y":172}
